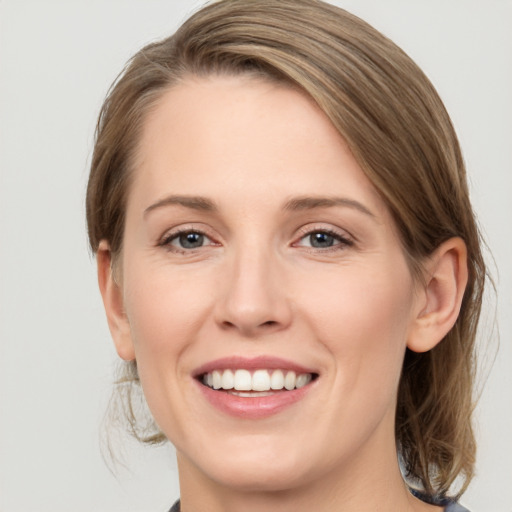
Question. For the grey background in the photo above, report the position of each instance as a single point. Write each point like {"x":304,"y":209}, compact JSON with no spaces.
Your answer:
{"x":57,"y":60}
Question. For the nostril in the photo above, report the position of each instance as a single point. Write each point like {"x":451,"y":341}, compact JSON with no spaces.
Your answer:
{"x":269,"y":324}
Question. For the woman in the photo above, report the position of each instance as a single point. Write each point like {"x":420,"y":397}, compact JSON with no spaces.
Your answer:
{"x":289,"y":262}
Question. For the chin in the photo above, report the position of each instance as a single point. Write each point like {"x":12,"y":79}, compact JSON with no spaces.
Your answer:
{"x":256,"y":470}
{"x":263,"y":478}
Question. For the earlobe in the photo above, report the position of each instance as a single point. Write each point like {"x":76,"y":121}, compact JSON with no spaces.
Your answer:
{"x":446,"y":276}
{"x":112,"y":295}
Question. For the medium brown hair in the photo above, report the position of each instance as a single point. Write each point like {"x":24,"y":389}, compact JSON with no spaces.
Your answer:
{"x":389,"y":113}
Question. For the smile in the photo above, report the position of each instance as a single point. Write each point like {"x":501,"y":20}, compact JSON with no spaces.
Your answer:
{"x":254,"y":388}
{"x":257,"y":382}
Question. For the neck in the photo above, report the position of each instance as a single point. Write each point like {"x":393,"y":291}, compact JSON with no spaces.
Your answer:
{"x":322,"y":495}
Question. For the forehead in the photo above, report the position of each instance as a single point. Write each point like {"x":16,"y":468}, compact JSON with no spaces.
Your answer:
{"x":243,"y":136}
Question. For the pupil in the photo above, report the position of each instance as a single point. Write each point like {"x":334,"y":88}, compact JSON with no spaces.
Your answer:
{"x":321,"y":240}
{"x":191,"y":240}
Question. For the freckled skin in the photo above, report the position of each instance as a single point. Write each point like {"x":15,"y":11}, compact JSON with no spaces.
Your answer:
{"x":256,"y":285}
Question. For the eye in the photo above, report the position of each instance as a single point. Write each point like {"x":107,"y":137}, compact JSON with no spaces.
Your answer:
{"x":324,"y":239}
{"x":321,"y":240}
{"x":186,"y":240}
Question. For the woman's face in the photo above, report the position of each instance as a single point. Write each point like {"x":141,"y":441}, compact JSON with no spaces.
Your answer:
{"x":258,"y":255}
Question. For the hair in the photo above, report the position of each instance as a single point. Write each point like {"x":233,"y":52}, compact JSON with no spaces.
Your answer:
{"x":398,"y":130}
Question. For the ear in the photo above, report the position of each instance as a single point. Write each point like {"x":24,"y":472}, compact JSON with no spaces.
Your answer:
{"x":112,"y":295}
{"x":440,"y":299}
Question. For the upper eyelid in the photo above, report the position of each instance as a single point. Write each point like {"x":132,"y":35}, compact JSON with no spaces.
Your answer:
{"x":174,"y":232}
{"x":177,"y":234}
{"x":320,"y":227}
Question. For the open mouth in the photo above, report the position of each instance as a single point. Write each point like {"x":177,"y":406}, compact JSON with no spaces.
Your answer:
{"x":256,"y":383}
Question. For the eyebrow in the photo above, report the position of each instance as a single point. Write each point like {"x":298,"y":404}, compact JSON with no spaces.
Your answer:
{"x":311,"y":203}
{"x":295,"y":204}
{"x":192,"y":202}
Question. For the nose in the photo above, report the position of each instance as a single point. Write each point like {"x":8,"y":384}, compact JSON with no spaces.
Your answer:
{"x":254,"y":297}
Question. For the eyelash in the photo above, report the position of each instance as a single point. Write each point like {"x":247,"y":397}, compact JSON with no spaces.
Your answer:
{"x":341,"y":241}
{"x":167,"y":240}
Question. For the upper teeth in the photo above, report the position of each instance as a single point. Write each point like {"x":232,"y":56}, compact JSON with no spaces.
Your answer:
{"x":259,"y":380}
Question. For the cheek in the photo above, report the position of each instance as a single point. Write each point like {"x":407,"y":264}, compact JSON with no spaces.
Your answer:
{"x":363,"y":321}
{"x":165,"y":308}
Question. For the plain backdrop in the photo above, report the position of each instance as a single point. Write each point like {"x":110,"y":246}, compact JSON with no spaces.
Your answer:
{"x":57,"y":60}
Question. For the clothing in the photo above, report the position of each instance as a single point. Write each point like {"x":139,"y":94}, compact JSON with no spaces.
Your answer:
{"x":451,"y":507}
{"x":449,"y":504}
{"x":455,"y":507}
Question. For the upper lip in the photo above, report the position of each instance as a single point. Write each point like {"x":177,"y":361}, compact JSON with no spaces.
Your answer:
{"x":263,"y":362}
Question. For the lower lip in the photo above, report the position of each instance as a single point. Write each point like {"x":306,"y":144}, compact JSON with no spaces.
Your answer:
{"x":253,"y":407}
